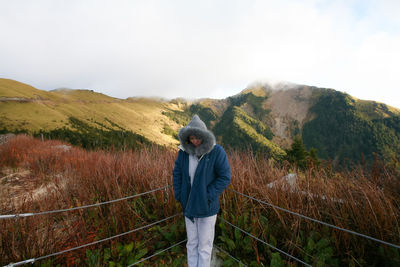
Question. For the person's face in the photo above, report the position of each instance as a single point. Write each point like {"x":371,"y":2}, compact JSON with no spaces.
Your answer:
{"x":195,"y":141}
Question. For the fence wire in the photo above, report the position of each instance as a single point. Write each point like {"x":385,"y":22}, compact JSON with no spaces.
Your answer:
{"x":262,"y":241}
{"x":9,"y":216}
{"x":21,"y":215}
{"x":158,"y":252}
{"x":224,"y":251}
{"x":318,"y":221}
{"x":89,"y":244}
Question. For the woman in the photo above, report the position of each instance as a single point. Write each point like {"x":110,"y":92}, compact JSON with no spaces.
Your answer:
{"x":200,"y":175}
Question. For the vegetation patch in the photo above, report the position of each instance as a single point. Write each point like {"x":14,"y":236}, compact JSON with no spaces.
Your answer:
{"x":84,"y":135}
{"x":169,"y":131}
{"x":206,"y":114}
{"x":238,"y":130}
{"x":339,"y":132}
{"x":180,"y":117}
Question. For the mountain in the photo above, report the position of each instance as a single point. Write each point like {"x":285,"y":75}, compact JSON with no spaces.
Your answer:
{"x":340,"y":127}
{"x":262,"y":117}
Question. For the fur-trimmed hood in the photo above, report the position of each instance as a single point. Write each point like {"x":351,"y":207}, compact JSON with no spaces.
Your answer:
{"x":197,"y":128}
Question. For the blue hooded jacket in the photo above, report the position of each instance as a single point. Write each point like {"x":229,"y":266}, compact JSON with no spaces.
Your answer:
{"x":212,"y":174}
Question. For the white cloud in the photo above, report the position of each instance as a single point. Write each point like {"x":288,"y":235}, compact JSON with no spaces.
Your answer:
{"x":202,"y":48}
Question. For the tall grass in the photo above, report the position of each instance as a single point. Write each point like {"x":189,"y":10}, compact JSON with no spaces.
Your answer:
{"x":80,"y":177}
{"x":366,"y":201}
{"x":362,"y":200}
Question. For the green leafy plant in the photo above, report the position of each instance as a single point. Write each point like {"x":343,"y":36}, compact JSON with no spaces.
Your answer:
{"x":126,"y":254}
{"x":319,"y":251}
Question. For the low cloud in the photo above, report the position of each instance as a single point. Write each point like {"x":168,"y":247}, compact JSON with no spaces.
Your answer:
{"x":203,"y":49}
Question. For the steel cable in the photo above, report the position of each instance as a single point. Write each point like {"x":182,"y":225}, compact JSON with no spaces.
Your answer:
{"x":318,"y":221}
{"x":89,"y":244}
{"x":9,"y":216}
{"x":158,"y":252}
{"x":262,"y":241}
{"x":224,"y":251}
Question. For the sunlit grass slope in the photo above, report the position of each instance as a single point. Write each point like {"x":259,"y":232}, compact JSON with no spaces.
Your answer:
{"x":374,"y":110}
{"x":24,"y":107}
{"x":11,"y":88}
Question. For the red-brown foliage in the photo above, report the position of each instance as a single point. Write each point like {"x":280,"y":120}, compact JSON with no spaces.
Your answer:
{"x":70,"y":176}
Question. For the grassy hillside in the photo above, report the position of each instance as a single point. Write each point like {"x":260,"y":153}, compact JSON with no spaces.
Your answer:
{"x":10,"y":88}
{"x":42,"y":110}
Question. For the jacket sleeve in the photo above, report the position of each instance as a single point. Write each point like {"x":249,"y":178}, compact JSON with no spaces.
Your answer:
{"x":177,"y":176}
{"x":223,"y":175}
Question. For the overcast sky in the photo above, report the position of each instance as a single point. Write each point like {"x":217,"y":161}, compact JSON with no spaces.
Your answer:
{"x":203,"y":48}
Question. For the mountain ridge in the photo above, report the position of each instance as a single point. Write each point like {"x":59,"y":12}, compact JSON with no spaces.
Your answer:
{"x":261,"y":117}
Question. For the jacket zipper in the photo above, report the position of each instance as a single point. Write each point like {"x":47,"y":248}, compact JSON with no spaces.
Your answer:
{"x":193,"y":182}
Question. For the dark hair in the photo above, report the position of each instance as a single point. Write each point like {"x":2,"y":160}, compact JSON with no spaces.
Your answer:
{"x":188,"y":140}
{"x":195,"y":135}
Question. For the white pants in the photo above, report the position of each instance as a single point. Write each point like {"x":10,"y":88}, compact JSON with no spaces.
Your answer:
{"x":200,"y":236}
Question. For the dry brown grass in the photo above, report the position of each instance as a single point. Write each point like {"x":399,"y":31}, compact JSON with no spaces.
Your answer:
{"x":80,"y":177}
{"x":363,"y":201}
